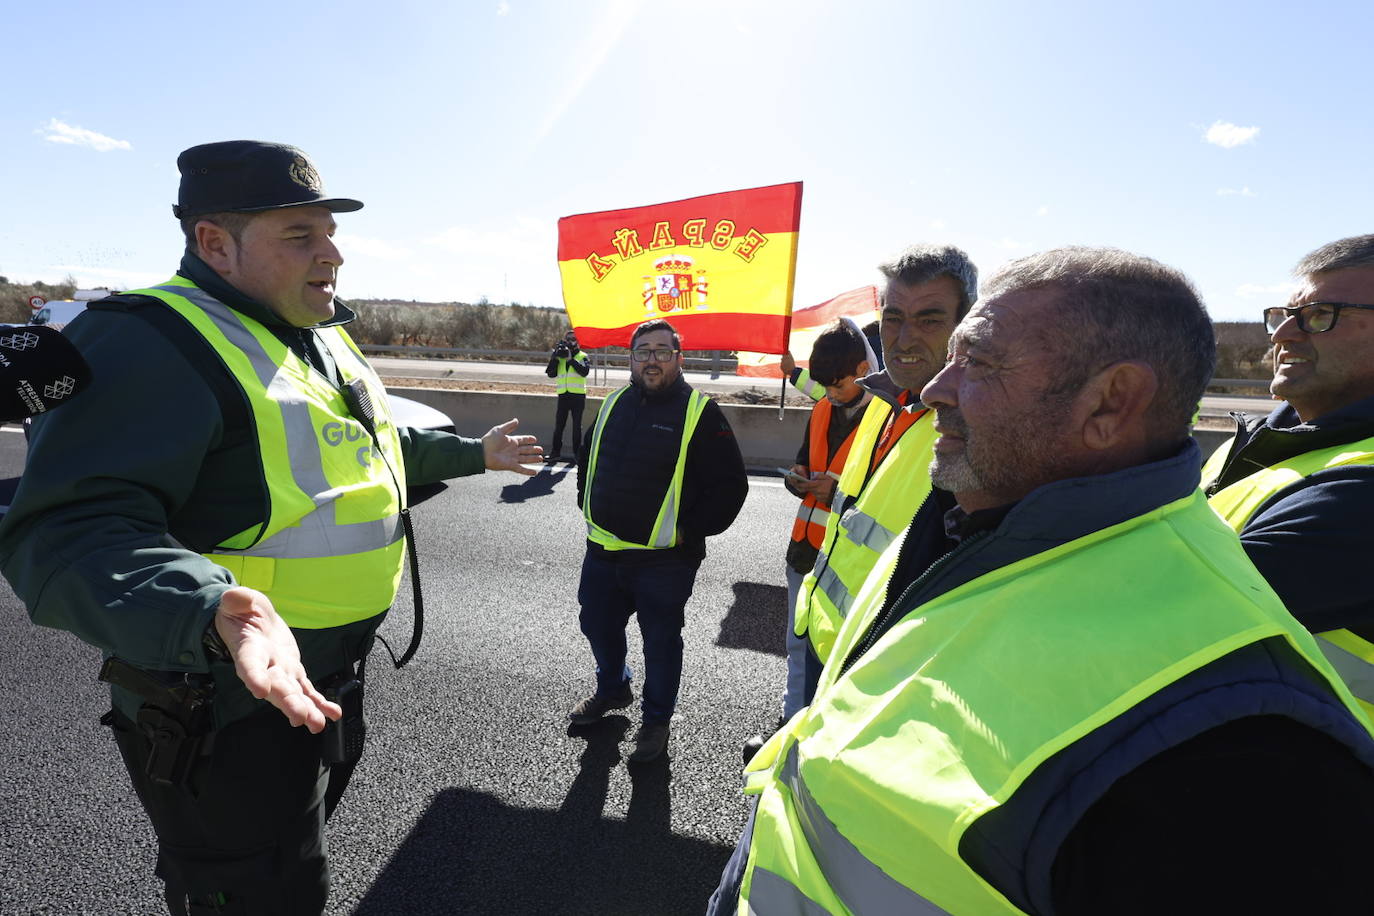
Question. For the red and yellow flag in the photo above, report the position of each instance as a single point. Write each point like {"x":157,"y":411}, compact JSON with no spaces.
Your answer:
{"x":860,"y":304}
{"x":719,"y":267}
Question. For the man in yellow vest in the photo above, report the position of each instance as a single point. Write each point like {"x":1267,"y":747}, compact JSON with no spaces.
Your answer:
{"x":1072,"y":693}
{"x":1298,"y":484}
{"x":568,"y":367}
{"x":222,"y":514}
{"x":927,"y":290}
{"x":659,"y":472}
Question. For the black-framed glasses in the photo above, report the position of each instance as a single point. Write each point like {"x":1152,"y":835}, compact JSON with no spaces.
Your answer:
{"x":644,"y":354}
{"x":1313,"y":317}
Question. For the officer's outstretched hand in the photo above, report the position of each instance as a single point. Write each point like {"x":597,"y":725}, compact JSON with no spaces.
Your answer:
{"x":267,"y":660}
{"x":505,"y":452}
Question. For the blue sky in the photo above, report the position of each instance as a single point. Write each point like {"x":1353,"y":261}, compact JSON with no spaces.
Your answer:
{"x":1225,"y":139}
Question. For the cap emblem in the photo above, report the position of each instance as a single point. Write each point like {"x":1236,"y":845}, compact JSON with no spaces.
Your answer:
{"x":304,"y":174}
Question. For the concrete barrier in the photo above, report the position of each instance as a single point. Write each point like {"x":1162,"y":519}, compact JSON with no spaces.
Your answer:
{"x":765,"y":441}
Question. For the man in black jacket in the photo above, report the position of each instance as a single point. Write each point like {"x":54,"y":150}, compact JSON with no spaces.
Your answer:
{"x":1298,"y":484}
{"x":659,"y":472}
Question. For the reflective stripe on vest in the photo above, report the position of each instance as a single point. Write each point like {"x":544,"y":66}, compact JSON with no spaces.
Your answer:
{"x":1352,"y":655}
{"x":808,"y":386}
{"x":331,"y":550}
{"x":812,"y":515}
{"x":865,"y":795}
{"x":886,"y":499}
{"x":568,"y":379}
{"x":664,"y":532}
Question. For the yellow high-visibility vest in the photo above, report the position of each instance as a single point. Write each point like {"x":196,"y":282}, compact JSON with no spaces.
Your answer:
{"x":1352,"y":655}
{"x":865,"y":794}
{"x":331,"y":550}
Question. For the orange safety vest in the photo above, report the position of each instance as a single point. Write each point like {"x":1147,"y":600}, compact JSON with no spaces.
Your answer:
{"x":812,"y":513}
{"x":896,"y":425}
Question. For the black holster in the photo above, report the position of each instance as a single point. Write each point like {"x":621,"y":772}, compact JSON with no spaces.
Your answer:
{"x":175,"y":717}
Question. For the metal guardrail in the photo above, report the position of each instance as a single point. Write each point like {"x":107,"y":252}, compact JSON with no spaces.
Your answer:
{"x":716,"y":364}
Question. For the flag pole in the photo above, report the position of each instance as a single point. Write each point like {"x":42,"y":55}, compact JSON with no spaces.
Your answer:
{"x":782,"y":398}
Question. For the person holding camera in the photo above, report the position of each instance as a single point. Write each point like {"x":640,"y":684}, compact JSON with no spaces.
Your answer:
{"x":568,"y":367}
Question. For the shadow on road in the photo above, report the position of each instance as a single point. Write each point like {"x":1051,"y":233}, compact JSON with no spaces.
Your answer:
{"x":472,"y":853}
{"x":540,"y":484}
{"x":756,"y":619}
{"x":422,"y":491}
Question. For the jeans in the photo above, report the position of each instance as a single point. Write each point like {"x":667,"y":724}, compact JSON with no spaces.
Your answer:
{"x":654,"y":592}
{"x":794,"y":695}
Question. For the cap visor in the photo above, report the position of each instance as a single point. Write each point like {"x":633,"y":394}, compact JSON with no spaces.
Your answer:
{"x":332,"y":204}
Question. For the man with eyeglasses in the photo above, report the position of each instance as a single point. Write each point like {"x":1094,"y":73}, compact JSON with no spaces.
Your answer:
{"x":1298,"y":484}
{"x":658,"y":473}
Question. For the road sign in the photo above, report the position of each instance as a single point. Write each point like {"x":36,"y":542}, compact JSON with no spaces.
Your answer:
{"x":37,"y":302}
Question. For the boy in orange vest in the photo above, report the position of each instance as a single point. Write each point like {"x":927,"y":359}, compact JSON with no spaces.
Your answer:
{"x":839,"y":358}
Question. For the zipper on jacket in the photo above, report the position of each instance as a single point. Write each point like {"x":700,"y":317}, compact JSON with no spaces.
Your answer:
{"x":880,"y":623}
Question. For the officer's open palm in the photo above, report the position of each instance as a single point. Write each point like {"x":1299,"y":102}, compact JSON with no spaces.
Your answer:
{"x":267,"y":659}
{"x":504,"y":452}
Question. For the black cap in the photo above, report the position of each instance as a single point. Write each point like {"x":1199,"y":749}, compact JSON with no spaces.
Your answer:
{"x":246,"y":176}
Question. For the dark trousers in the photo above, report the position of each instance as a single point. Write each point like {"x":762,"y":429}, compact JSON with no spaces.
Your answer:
{"x":568,"y":403}
{"x":656,"y":593}
{"x":246,"y":835}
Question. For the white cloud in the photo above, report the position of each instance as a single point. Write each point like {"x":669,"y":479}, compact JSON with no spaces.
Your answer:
{"x":502,"y":8}
{"x":372,"y":248}
{"x":60,"y":132}
{"x":1273,"y":290}
{"x":1043,"y":211}
{"x":1011,"y":244}
{"x":937,"y":224}
{"x":1236,"y":192}
{"x":1228,"y":135}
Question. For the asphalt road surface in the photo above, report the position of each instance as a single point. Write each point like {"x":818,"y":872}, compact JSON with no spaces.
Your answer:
{"x":474,"y":796}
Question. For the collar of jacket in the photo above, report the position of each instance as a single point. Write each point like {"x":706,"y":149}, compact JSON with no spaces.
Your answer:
{"x":881,"y":386}
{"x":1282,"y":434}
{"x":1068,"y":509}
{"x":204,"y":276}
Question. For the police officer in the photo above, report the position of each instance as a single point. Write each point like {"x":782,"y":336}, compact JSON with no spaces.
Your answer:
{"x":660,"y":471}
{"x":223,"y":518}
{"x":568,"y":367}
{"x":1072,"y":693}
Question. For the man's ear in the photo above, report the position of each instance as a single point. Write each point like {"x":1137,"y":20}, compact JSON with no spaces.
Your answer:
{"x":862,"y":369}
{"x":216,"y":246}
{"x":1116,"y":401}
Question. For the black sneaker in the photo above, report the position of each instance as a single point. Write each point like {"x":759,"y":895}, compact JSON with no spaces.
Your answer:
{"x":650,"y":742}
{"x":598,"y":704}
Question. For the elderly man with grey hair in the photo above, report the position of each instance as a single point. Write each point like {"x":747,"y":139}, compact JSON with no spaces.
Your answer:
{"x":1072,"y":693}
{"x":926,"y":290}
{"x":1298,"y":484}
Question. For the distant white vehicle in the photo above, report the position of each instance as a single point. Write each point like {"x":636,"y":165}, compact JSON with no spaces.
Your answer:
{"x":405,"y":411}
{"x":56,"y":314}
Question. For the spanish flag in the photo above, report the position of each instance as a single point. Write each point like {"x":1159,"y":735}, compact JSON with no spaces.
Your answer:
{"x":719,"y":267}
{"x":860,"y":304}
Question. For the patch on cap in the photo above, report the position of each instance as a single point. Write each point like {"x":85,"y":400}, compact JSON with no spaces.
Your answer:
{"x":304,"y":174}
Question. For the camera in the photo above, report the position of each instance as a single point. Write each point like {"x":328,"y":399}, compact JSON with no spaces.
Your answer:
{"x":561,"y":349}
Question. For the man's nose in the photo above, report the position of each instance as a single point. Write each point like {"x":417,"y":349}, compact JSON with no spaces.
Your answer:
{"x":1287,"y":330}
{"x":943,"y":390}
{"x":330,"y":254}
